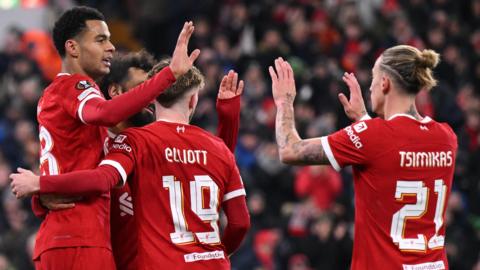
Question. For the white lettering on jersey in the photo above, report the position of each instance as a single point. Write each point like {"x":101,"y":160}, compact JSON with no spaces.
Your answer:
{"x":122,"y":146}
{"x":360,"y":127}
{"x":105,"y":146}
{"x":426,"y":159}
{"x":354,"y":138}
{"x":186,"y":156}
{"x":126,"y":205}
{"x":120,"y":138}
{"x":205,"y":256}
{"x":438,"y":265}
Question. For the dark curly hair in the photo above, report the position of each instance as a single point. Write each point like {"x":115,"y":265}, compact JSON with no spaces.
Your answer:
{"x":120,"y":65}
{"x":71,"y":23}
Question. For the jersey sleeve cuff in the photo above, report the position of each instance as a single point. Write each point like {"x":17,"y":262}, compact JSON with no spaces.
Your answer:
{"x":234,"y":194}
{"x":365,"y":117}
{"x":118,"y":167}
{"x":329,"y":153}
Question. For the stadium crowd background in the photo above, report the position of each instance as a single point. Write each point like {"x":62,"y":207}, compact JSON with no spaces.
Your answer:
{"x":302,"y":217}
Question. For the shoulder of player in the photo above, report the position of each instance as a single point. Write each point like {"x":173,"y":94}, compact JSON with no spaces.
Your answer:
{"x":448,"y":130}
{"x":364,"y":127}
{"x":207,"y":135}
{"x":78,"y":82}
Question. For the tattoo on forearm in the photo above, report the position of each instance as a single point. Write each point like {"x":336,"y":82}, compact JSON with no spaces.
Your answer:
{"x":311,"y":152}
{"x":285,"y":125}
{"x":303,"y":151}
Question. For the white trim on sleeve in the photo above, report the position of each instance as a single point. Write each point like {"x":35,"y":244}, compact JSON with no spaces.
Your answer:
{"x":234,"y":194}
{"x":329,"y":153}
{"x":117,"y":166}
{"x":82,"y":104}
{"x":365,"y":117}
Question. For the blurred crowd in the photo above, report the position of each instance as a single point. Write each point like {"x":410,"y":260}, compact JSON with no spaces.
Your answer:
{"x":302,"y":217}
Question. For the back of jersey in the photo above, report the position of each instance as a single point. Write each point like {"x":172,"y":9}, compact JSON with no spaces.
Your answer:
{"x":403,"y":171}
{"x":182,"y":175}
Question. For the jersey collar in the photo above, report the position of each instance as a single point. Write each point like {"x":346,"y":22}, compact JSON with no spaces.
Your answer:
{"x":62,"y":74}
{"x":425,"y":120}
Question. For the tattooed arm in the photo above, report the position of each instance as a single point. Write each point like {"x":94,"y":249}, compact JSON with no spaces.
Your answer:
{"x":292,"y":149}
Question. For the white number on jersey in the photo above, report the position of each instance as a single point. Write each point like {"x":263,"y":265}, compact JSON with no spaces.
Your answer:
{"x":206,"y":212}
{"x":416,"y":211}
{"x":48,"y":163}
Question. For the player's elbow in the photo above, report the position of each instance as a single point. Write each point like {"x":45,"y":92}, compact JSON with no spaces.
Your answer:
{"x":242,"y":226}
{"x":287,"y":156}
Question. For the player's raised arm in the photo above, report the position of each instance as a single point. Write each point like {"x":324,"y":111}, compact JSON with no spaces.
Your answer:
{"x":98,"y":111}
{"x":228,"y":109}
{"x":355,"y":107}
{"x":292,"y":149}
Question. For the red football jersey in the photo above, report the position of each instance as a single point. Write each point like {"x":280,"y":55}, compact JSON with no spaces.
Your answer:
{"x":180,"y":176}
{"x":122,"y":223}
{"x":124,"y":234}
{"x":67,"y":144}
{"x":403,"y":171}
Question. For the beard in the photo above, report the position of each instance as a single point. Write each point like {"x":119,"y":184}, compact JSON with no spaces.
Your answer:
{"x":144,"y":117}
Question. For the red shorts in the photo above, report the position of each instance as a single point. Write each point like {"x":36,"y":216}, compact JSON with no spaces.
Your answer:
{"x":76,"y":258}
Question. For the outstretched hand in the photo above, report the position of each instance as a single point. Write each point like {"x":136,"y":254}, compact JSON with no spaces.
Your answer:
{"x":228,"y":87}
{"x":24,"y":183}
{"x":355,"y":107}
{"x":182,"y":62}
{"x":283,"y":82}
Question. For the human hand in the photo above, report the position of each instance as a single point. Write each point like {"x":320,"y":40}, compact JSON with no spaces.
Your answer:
{"x":355,"y":107}
{"x":229,"y":88}
{"x":58,"y":202}
{"x":283,"y":82}
{"x":24,"y":183}
{"x":182,"y":62}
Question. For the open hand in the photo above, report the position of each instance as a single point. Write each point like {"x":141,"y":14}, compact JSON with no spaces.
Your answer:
{"x":182,"y":62}
{"x":228,"y":87}
{"x":283,"y":82}
{"x":24,"y":183}
{"x":355,"y":107}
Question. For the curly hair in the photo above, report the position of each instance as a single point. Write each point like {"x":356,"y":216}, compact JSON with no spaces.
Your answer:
{"x":71,"y":23}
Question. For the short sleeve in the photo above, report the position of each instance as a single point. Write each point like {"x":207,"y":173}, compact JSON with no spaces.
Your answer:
{"x":353,"y":145}
{"x":121,"y":155}
{"x":234,"y":187}
{"x":76,"y":92}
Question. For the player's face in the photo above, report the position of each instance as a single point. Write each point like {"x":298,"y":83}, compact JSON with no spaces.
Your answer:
{"x":376,"y":93}
{"x":137,"y":76}
{"x":96,"y":50}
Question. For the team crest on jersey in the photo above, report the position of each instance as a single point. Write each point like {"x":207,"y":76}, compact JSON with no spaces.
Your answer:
{"x":120,"y":138}
{"x":82,"y":85}
{"x":360,"y":127}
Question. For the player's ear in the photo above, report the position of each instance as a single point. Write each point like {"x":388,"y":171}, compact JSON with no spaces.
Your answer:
{"x":386,"y":84}
{"x":72,"y":48}
{"x":191,"y":102}
{"x":114,"y":90}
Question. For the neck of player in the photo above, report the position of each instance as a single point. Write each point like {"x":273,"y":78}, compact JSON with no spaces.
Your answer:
{"x":399,"y":103}
{"x":71,"y":66}
{"x":175,"y":114}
